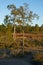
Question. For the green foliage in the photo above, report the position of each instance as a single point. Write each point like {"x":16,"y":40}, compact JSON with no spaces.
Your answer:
{"x":18,"y":22}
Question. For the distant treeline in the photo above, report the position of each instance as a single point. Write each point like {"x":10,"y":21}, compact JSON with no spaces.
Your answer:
{"x":19,"y":28}
{"x":18,"y":22}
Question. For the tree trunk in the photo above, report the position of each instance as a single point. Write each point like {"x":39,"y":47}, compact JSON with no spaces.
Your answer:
{"x":14,"y":35}
{"x":23,"y":42}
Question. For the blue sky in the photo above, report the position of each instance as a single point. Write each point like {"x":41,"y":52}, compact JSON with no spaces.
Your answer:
{"x":35,"y":5}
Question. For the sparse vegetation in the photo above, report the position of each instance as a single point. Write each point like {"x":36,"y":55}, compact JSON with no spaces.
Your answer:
{"x":18,"y":22}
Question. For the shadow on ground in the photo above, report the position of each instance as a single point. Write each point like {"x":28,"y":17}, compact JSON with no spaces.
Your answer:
{"x":26,"y":59}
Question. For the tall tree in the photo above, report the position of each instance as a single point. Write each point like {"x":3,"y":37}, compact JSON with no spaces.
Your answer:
{"x":21,"y":16}
{"x":14,"y":14}
{"x":26,"y":17}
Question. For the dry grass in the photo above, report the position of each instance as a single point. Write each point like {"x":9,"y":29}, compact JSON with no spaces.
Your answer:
{"x":38,"y":56}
